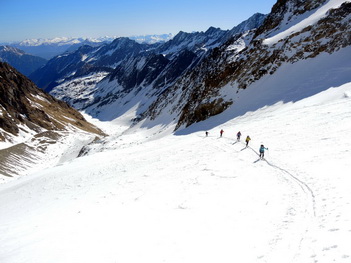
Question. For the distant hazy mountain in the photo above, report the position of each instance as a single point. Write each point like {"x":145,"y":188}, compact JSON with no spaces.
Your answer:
{"x":152,"y":39}
{"x":49,"y":48}
{"x":25,"y":63}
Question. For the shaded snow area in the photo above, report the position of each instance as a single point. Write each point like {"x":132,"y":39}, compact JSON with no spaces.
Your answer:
{"x":193,"y":198}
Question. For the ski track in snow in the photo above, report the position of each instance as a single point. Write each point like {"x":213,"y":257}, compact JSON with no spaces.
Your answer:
{"x":307,"y":194}
{"x":188,"y":191}
{"x":141,"y":197}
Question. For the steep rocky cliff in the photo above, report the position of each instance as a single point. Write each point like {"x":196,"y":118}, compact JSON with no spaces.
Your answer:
{"x":24,"y":107}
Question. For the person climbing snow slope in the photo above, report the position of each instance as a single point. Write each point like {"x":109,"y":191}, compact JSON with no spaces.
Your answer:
{"x":262,"y":149}
{"x":221,"y":133}
{"x":238,"y":135}
{"x":247,"y":140}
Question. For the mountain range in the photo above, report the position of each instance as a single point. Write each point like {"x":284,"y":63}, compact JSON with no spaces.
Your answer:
{"x":49,"y":48}
{"x":198,"y":75}
{"x":179,"y":83}
{"x":134,"y":66}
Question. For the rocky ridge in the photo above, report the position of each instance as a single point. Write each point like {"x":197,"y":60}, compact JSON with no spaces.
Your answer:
{"x":23,"y":104}
{"x":25,"y":63}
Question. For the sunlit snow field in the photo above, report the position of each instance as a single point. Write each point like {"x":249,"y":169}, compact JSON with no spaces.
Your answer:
{"x":191,"y":198}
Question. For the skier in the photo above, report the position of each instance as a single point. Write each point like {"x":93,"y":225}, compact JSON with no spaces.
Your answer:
{"x":262,"y":148}
{"x":238,"y":136}
{"x":247,"y":140}
{"x":206,"y":133}
{"x":221,"y":133}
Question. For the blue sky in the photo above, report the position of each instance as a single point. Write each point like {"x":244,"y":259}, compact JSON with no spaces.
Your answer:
{"x":26,"y":19}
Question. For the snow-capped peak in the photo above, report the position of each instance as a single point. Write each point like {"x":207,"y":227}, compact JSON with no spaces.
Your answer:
{"x":62,"y":41}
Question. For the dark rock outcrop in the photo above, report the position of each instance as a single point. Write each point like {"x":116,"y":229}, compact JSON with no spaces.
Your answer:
{"x":22,"y":104}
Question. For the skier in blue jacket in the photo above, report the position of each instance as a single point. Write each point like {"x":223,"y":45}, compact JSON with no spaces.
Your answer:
{"x":238,"y":135}
{"x":262,"y":148}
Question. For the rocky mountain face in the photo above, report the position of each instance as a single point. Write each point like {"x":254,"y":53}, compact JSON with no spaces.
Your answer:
{"x":266,"y":50}
{"x":285,"y":11}
{"x":24,"y":108}
{"x":32,"y":121}
{"x":86,"y":60}
{"x":23,"y":62}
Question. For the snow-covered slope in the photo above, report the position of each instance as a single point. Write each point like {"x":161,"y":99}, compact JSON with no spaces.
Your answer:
{"x":292,"y":23}
{"x":141,"y":195}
